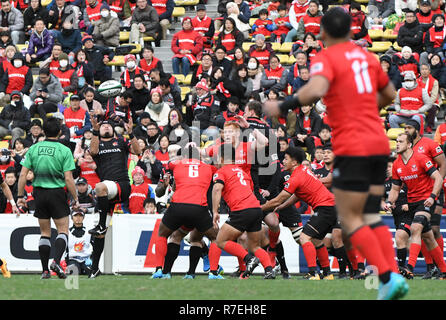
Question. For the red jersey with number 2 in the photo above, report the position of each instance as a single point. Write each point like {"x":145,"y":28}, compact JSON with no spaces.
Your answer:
{"x":192,"y":181}
{"x":355,"y":76}
{"x":415,"y":174}
{"x":237,"y":191}
{"x":308,"y":188}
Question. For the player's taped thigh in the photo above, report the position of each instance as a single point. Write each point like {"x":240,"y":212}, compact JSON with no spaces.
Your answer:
{"x":296,"y":233}
{"x":372,"y":204}
{"x":112,"y":189}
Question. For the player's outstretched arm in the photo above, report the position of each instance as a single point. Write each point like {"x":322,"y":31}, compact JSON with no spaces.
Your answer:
{"x":94,"y":144}
{"x":281,"y":198}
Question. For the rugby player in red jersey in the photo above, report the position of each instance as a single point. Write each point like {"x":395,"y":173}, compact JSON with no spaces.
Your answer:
{"x":305,"y":186}
{"x":354,"y":88}
{"x":433,"y":151}
{"x":189,"y":208}
{"x":424,"y":183}
{"x":235,"y":186}
{"x":244,"y":158}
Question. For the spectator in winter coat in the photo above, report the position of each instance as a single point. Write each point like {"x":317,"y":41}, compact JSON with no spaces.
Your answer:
{"x":98,"y":57}
{"x":411,"y":33}
{"x":40,"y":43}
{"x":310,"y":22}
{"x":46,"y":93}
{"x":13,"y":23}
{"x":186,"y":44}
{"x":106,"y":29}
{"x":14,"y":118}
{"x":145,"y":22}
{"x":307,"y":127}
{"x":434,"y":39}
{"x":164,"y":10}
{"x":274,"y":76}
{"x":392,"y":70}
{"x":438,"y":70}
{"x":411,"y":101}
{"x":69,"y":38}
{"x":34,"y":12}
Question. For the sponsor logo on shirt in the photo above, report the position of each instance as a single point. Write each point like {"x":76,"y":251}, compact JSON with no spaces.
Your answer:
{"x":317,"y":67}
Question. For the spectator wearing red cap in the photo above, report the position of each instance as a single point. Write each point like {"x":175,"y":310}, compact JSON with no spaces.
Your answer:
{"x":157,"y":108}
{"x":131,"y":70}
{"x":186,"y":44}
{"x":106,"y":29}
{"x":140,"y":191}
{"x":98,"y":57}
{"x":205,"y":109}
{"x":145,"y":22}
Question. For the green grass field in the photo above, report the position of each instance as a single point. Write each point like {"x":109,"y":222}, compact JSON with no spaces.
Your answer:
{"x":141,"y":287}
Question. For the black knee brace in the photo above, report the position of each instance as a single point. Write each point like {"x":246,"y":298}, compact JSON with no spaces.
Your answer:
{"x":373,"y":204}
{"x":423,"y":221}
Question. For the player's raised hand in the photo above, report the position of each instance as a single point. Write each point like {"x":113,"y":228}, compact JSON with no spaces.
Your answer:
{"x":129,"y":125}
{"x":94,"y":120}
{"x":242,"y":121}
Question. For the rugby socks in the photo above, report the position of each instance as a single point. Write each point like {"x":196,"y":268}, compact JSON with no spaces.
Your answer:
{"x":235,"y":249}
{"x":440,"y":242}
{"x":103,"y":208}
{"x":385,"y":241}
{"x":437,"y":255}
{"x":280,"y":254}
{"x":351,"y":254}
{"x":44,"y":252}
{"x":427,"y":256}
{"x":310,"y":256}
{"x":173,"y":250}
{"x":341,"y":255}
{"x":60,"y":246}
{"x":194,"y":257}
{"x":368,"y":246}
{"x":160,"y":251}
{"x":414,"y":251}
{"x":214,"y":257}
{"x":322,"y":256}
{"x":263,"y":257}
{"x":204,"y":249}
{"x":98,"y":247}
{"x":241,"y":264}
{"x":273,"y":237}
{"x":401,"y":255}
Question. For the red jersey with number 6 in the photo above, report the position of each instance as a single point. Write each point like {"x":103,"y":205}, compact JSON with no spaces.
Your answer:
{"x":192,"y":181}
{"x":415,"y":174}
{"x":237,"y":191}
{"x":309,"y":189}
{"x":355,"y":77}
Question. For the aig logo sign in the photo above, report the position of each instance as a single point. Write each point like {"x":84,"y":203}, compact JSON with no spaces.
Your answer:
{"x":17,"y":243}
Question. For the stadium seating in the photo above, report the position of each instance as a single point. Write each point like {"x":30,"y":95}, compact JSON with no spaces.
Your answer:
{"x":393,"y":133}
{"x":380,"y":46}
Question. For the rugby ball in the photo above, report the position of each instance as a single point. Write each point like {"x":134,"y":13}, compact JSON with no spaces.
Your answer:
{"x":110,"y":88}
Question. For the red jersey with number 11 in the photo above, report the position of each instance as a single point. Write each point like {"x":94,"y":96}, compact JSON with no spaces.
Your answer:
{"x":237,"y":191}
{"x":355,"y":77}
{"x":192,"y":181}
{"x":415,"y":174}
